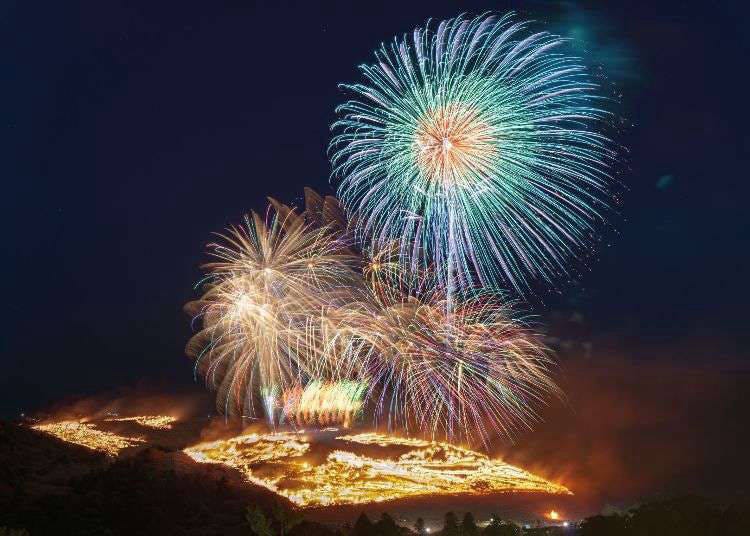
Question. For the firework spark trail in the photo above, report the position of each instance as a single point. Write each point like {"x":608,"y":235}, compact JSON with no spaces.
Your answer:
{"x":324,"y":403}
{"x":426,"y":364}
{"x":264,"y":295}
{"x":474,"y":145}
{"x":468,"y":374}
{"x":287,"y":322}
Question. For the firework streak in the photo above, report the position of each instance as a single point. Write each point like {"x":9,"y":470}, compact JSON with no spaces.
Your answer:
{"x":473,"y":144}
{"x":299,"y":328}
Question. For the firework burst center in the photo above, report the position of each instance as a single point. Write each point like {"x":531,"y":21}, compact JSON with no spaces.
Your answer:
{"x":453,"y":145}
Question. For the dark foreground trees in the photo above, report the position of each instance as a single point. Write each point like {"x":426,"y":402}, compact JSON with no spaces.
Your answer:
{"x":683,"y":516}
{"x":498,"y":527}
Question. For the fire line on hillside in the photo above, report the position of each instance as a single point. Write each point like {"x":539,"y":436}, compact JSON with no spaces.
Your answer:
{"x":329,"y":467}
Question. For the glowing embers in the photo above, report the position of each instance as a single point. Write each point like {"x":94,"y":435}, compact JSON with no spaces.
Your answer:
{"x":246,"y":453}
{"x":406,"y":468}
{"x":158,"y":422}
{"x":373,"y":438}
{"x":453,"y":146}
{"x":87,"y":435}
{"x":324,"y":403}
{"x":245,"y":450}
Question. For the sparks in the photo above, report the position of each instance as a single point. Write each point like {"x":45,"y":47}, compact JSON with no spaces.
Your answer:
{"x":477,"y":146}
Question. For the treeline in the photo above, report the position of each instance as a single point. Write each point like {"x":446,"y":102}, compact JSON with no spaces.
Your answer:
{"x":683,"y":516}
{"x":385,"y":526}
{"x":277,"y":522}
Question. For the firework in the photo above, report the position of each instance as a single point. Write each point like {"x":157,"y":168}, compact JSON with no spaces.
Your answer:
{"x":316,"y":334}
{"x":265,"y":299}
{"x":324,"y":403}
{"x":474,"y":145}
{"x":471,"y":373}
{"x":319,"y":211}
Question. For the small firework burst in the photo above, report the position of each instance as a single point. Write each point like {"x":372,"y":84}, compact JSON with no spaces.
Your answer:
{"x":264,"y":296}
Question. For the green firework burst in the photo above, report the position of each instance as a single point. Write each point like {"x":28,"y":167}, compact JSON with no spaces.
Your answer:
{"x":476,"y":145}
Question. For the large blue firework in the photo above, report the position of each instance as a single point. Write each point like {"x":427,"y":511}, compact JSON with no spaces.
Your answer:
{"x":476,"y":145}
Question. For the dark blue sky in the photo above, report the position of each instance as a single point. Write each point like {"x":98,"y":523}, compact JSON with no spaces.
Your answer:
{"x":131,"y":131}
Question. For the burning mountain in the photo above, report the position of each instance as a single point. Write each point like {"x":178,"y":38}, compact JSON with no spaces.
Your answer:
{"x":318,"y":468}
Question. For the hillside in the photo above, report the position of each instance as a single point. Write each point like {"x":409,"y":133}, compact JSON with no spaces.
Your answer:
{"x":49,"y":486}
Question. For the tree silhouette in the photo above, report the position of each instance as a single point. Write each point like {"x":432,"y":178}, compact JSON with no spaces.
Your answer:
{"x":386,"y":526}
{"x":363,"y":526}
{"x":258,"y":521}
{"x":468,"y":525}
{"x":419,"y":527}
{"x":498,"y":527}
{"x":451,"y":525}
{"x":286,"y":519}
{"x":611,"y":525}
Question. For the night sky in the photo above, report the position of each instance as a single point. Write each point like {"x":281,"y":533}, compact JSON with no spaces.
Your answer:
{"x":131,"y":132}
